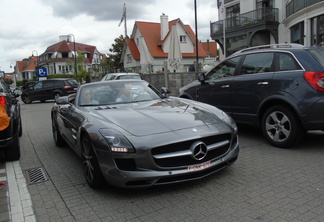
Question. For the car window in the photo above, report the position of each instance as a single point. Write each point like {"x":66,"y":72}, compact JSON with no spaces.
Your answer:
{"x":57,"y":84}
{"x":224,"y":69}
{"x":287,"y":62}
{"x":257,"y":63}
{"x":318,"y":54}
{"x":4,"y":87}
{"x":38,"y":85}
{"x":47,"y":84}
{"x":129,"y":77}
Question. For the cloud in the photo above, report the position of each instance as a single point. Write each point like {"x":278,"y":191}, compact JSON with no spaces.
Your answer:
{"x":37,"y":24}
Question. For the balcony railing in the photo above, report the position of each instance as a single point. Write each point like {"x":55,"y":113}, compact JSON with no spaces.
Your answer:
{"x":252,"y":17}
{"x":296,"y":5}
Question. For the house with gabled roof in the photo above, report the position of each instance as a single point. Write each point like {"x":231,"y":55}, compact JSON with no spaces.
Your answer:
{"x":56,"y":56}
{"x":150,"y":44}
{"x":25,"y":69}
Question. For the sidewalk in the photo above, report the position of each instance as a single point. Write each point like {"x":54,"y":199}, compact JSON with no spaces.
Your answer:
{"x":16,"y":204}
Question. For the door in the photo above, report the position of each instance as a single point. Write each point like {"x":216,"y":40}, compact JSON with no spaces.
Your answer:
{"x":251,"y":85}
{"x":216,"y":88}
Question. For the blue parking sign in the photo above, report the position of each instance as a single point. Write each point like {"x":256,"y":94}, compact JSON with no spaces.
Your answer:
{"x":42,"y":72}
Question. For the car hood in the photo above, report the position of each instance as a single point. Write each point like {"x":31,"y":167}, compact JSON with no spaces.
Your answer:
{"x":159,"y":116}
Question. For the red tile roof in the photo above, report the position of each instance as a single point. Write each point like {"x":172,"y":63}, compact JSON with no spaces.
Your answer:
{"x":210,"y":48}
{"x":152,"y":35}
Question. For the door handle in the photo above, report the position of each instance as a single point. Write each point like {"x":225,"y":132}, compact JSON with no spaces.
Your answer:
{"x":224,"y":86}
{"x":262,"y":83}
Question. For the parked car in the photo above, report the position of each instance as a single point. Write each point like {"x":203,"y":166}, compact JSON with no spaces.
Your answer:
{"x":49,"y":89}
{"x":11,"y":128}
{"x":279,"y":88}
{"x":114,"y":76}
{"x":147,"y":140}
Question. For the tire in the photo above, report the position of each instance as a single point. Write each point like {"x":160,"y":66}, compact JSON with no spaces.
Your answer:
{"x":12,"y":152}
{"x":58,"y":139}
{"x":26,"y":99}
{"x":57,"y":95}
{"x":281,"y":127}
{"x":90,"y":164}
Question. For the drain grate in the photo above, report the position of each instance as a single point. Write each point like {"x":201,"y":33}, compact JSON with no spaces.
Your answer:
{"x":36,"y":175}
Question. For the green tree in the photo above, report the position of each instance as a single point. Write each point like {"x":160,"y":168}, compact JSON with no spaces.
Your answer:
{"x":113,"y":61}
{"x":81,"y":72}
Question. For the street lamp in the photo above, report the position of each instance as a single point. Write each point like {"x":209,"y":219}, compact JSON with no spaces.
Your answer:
{"x":37,"y":61}
{"x":75,"y":62}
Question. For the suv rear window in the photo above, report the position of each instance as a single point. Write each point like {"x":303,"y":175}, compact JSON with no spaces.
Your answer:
{"x":317,"y":54}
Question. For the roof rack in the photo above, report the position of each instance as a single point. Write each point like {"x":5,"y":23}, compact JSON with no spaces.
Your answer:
{"x":271,"y":46}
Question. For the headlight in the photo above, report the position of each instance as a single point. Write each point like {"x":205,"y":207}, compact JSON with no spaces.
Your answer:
{"x":229,"y":120}
{"x":116,"y":141}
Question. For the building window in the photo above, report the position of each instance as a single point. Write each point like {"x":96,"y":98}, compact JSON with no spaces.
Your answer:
{"x":129,"y":58}
{"x":183,"y":38}
{"x":297,"y":33}
{"x":317,"y":30}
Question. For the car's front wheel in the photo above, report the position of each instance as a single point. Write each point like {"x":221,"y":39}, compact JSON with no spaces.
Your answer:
{"x":281,"y":127}
{"x":90,"y":163}
{"x":26,"y":99}
{"x":58,"y":139}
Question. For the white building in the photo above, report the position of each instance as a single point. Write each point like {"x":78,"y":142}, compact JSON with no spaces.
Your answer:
{"x":154,"y":46}
{"x":259,"y":22}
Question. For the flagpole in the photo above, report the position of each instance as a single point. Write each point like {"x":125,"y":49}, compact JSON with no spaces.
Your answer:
{"x":125,"y":21}
{"x":124,"y":18}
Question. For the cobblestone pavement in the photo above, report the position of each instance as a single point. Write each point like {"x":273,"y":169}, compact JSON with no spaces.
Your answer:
{"x":265,"y":184}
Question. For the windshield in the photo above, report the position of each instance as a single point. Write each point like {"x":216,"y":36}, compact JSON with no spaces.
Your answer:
{"x":116,"y":92}
{"x":318,"y":54}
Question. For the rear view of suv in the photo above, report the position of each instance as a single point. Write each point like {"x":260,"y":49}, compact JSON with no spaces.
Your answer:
{"x":279,"y":88}
{"x":49,"y":89}
{"x":10,"y":130}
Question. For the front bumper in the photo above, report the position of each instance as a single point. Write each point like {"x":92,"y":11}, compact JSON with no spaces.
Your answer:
{"x":149,"y":177}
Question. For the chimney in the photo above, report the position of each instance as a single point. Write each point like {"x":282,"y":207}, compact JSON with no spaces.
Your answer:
{"x":164,"y":25}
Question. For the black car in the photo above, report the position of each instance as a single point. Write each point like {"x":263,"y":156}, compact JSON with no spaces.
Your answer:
{"x":148,"y":139}
{"x":279,"y":88}
{"x":49,"y":89}
{"x":10,"y":133}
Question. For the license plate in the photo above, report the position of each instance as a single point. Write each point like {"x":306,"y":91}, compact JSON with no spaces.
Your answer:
{"x":199,"y":167}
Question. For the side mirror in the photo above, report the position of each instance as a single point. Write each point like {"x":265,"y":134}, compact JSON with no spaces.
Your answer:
{"x":165,"y":92}
{"x":63,"y":100}
{"x":201,"y":78}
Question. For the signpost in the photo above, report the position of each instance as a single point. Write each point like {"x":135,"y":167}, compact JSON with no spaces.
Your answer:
{"x":41,"y":73}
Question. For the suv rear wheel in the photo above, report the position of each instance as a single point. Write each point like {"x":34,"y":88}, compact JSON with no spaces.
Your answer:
{"x":280,"y":126}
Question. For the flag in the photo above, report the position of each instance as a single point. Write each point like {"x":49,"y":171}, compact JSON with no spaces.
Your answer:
{"x":123,"y":16}
{"x":221,"y":10}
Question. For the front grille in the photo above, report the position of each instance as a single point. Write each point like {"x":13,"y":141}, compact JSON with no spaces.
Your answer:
{"x":171,"y":161}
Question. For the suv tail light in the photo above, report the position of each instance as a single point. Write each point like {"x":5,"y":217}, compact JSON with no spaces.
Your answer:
{"x":67,"y":87}
{"x":315,"y":79}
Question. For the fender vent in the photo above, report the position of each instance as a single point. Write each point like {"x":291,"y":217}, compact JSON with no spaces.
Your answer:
{"x":36,"y":175}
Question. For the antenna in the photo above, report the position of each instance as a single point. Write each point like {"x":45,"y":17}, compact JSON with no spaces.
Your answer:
{"x":124,"y":18}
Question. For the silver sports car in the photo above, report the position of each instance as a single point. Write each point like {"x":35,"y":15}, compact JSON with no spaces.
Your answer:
{"x":128,"y":134}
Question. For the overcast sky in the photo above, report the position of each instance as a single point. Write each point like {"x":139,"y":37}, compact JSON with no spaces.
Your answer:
{"x":28,"y":25}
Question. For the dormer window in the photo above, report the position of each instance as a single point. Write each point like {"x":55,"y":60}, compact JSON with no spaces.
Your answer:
{"x":183,"y":38}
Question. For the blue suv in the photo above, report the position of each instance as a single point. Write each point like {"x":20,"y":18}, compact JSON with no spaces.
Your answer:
{"x":279,"y":88}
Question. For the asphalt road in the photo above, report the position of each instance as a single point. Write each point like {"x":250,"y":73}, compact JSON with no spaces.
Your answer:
{"x":265,"y":184}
